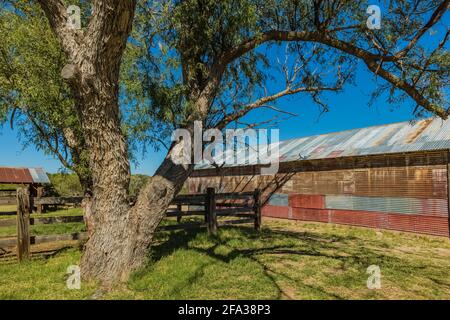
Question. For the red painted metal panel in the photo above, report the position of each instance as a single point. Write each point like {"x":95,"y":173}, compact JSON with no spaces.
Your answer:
{"x":275,"y":211}
{"x":359,"y":218}
{"x":311,"y":214}
{"x":432,"y":225}
{"x":307,"y":201}
{"x":419,"y":223}
{"x":402,"y":222}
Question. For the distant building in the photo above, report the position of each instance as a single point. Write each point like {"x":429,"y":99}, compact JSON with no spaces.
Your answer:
{"x":392,"y":176}
{"x":34,"y":177}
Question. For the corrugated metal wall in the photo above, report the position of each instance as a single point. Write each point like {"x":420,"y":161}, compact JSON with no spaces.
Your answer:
{"x":385,"y":193}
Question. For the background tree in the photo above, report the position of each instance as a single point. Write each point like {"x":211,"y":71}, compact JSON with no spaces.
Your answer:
{"x":207,"y":60}
{"x":33,"y":97}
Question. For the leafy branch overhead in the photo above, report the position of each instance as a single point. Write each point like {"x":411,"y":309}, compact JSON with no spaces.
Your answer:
{"x":33,"y":97}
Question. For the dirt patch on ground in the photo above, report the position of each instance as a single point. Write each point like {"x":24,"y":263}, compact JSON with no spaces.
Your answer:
{"x":39,"y":250}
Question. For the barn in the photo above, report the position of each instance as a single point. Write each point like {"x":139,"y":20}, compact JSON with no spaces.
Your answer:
{"x":35,"y":178}
{"x":393,"y":176}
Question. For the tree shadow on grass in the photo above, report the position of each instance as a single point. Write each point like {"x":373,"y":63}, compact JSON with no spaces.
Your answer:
{"x":311,"y":244}
{"x":349,"y":252}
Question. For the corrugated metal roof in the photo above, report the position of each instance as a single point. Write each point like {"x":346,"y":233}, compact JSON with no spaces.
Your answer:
{"x":423,"y":135}
{"x":23,"y":175}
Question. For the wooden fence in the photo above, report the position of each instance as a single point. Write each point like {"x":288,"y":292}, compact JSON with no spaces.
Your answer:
{"x":7,"y":197}
{"x":211,"y":205}
{"x":23,"y":239}
{"x":245,"y":205}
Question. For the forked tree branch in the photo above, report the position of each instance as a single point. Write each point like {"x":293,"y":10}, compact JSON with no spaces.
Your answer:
{"x":104,"y":39}
{"x":108,"y":29}
{"x":56,"y":13}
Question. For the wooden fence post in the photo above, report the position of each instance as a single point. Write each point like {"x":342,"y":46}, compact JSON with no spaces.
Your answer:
{"x":23,"y":224}
{"x":179,"y":207}
{"x":207,"y":211}
{"x":257,"y":209}
{"x":211,"y":217}
{"x":39,"y":194}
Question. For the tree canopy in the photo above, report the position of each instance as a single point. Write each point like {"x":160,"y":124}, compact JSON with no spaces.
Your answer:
{"x":33,"y":97}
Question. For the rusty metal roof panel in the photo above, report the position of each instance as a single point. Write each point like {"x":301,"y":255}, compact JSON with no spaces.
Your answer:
{"x":424,"y":135}
{"x":15,"y":175}
{"x":23,"y":175}
{"x":39,"y":175}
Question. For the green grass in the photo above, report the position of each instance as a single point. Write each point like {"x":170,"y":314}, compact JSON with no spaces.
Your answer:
{"x":41,"y":279}
{"x":45,"y":229}
{"x":57,"y":213}
{"x":60,"y":213}
{"x":5,"y":186}
{"x":41,"y":229}
{"x":288,"y":260}
{"x":8,"y":208}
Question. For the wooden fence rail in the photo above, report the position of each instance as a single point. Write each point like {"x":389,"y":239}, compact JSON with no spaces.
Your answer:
{"x":248,"y":211}
{"x":45,"y":220}
{"x":218,"y":205}
{"x":8,"y":200}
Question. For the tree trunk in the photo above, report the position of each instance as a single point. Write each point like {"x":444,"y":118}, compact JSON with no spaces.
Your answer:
{"x":107,"y":212}
{"x":86,"y":204}
{"x":122,"y":235}
{"x":151,"y":207}
{"x":119,"y":235}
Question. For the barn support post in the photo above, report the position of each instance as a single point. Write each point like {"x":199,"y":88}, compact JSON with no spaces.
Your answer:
{"x":211,"y":217}
{"x":23,"y":224}
{"x":257,"y":209}
{"x":179,"y":207}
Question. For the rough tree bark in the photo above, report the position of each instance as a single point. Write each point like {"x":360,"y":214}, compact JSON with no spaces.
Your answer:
{"x":93,"y":74}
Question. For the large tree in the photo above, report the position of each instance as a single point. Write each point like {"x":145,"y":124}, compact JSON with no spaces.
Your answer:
{"x":202,"y":60}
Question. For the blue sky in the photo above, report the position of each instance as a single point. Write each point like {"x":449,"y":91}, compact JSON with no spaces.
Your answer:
{"x":348,"y":110}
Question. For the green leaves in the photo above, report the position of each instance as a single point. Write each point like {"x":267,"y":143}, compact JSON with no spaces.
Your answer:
{"x":32,"y":94}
